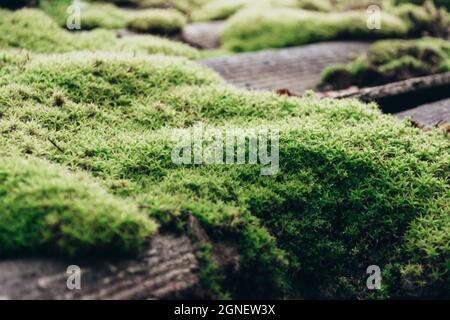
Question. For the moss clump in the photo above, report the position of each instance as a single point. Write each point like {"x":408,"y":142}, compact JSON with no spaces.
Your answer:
{"x":157,"y":21}
{"x":108,"y":16}
{"x":146,"y":44}
{"x":44,"y":207}
{"x":103,"y":15}
{"x":223,"y":9}
{"x":426,"y":19}
{"x":110,"y":79}
{"x":32,"y":29}
{"x":389,"y":61}
{"x":35,"y":31}
{"x":188,"y":7}
{"x":354,"y":187}
{"x":255,"y":29}
{"x":220,"y":9}
{"x":439,"y":3}
{"x":185,"y":6}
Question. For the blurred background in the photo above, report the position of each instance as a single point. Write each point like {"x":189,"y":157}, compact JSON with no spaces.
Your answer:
{"x":288,"y":46}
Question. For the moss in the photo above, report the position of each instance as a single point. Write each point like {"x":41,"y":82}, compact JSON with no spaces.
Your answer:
{"x":220,"y":9}
{"x":44,"y":207}
{"x":350,"y":178}
{"x":339,"y":75}
{"x":35,"y":31}
{"x":109,"y":16}
{"x":110,"y":79}
{"x":223,"y":9}
{"x":185,"y":6}
{"x":392,"y":60}
{"x":93,"y":15}
{"x":255,"y":29}
{"x":424,"y":19}
{"x":157,"y":21}
{"x":439,"y":3}
{"x":209,"y":276}
{"x":147,"y":44}
{"x":57,"y":9}
{"x":104,"y":16}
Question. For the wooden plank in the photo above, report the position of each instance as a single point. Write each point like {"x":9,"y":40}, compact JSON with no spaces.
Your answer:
{"x":296,"y":69}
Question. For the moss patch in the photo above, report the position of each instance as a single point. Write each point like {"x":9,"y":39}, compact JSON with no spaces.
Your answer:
{"x":425,"y":19}
{"x":157,"y":21}
{"x":35,"y":31}
{"x":185,"y":6}
{"x":389,"y":61}
{"x":45,"y":207}
{"x":354,"y":188}
{"x":256,"y":29}
{"x":103,"y":15}
{"x":439,"y":3}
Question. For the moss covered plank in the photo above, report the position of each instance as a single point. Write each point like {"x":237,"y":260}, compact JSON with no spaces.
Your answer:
{"x":296,"y":69}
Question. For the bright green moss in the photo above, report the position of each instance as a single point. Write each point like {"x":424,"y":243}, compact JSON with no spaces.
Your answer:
{"x":220,"y":9}
{"x":185,"y":6}
{"x":33,"y":30}
{"x":147,"y":44}
{"x":354,"y":187}
{"x":109,"y":16}
{"x":157,"y":21}
{"x":44,"y":207}
{"x":110,"y":79}
{"x":255,"y":29}
{"x":391,"y":60}
{"x":57,"y":9}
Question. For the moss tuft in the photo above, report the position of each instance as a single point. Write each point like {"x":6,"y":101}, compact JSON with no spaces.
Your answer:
{"x":438,"y":3}
{"x":157,"y":21}
{"x":44,"y":207}
{"x":104,"y":16}
{"x":350,"y":178}
{"x":33,"y":30}
{"x":220,"y":9}
{"x":255,"y":29}
{"x":426,"y":19}
{"x":223,"y":9}
{"x":112,"y":79}
{"x":185,"y":6}
{"x":389,"y":61}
